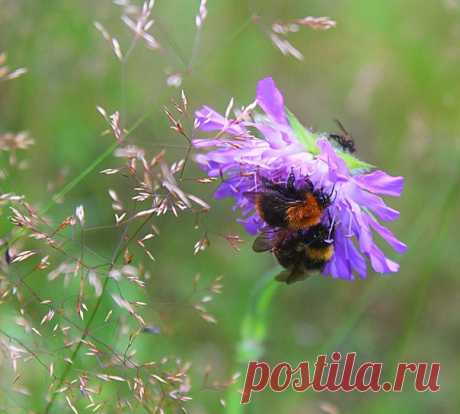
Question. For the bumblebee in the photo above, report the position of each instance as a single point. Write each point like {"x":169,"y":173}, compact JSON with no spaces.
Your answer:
{"x":285,"y":206}
{"x":344,"y":140}
{"x":302,"y":252}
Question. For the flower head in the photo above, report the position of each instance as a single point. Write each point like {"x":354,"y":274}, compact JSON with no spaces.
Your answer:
{"x":274,"y":144}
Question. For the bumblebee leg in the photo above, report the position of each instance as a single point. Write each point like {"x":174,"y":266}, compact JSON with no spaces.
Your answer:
{"x":292,"y":274}
{"x":308,"y":184}
{"x":298,"y":277}
{"x":291,"y":181}
{"x":332,"y":193}
{"x":283,"y":276}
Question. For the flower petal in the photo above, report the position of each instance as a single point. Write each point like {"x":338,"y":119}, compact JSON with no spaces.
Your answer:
{"x":206,"y":119}
{"x":387,"y":235}
{"x":276,"y":139}
{"x":356,"y":259}
{"x":338,"y":170}
{"x":357,"y":207}
{"x":380,"y":263}
{"x":271,"y":100}
{"x":339,"y":266}
{"x":380,"y":182}
{"x":252,"y":224}
{"x":375,"y":204}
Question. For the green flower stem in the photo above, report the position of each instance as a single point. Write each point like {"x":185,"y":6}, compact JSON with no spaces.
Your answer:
{"x":72,"y":184}
{"x":253,"y":334}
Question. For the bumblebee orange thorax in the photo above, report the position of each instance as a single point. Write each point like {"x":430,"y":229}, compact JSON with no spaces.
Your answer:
{"x":305,"y":214}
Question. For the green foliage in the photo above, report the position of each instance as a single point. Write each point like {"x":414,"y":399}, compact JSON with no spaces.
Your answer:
{"x":308,"y":139}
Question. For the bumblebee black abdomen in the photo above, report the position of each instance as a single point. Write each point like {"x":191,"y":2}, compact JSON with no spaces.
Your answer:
{"x":290,"y":251}
{"x":287,"y":258}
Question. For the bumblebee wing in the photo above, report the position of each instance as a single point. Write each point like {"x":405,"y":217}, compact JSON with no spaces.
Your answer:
{"x":268,"y":239}
{"x":264,"y":242}
{"x":273,"y":199}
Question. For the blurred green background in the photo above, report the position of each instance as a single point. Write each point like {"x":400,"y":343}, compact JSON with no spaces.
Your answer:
{"x":388,"y":71}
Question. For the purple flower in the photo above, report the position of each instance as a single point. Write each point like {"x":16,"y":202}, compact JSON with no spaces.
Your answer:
{"x":282,"y":145}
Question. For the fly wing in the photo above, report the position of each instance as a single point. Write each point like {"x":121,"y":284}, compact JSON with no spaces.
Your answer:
{"x":342,"y":128}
